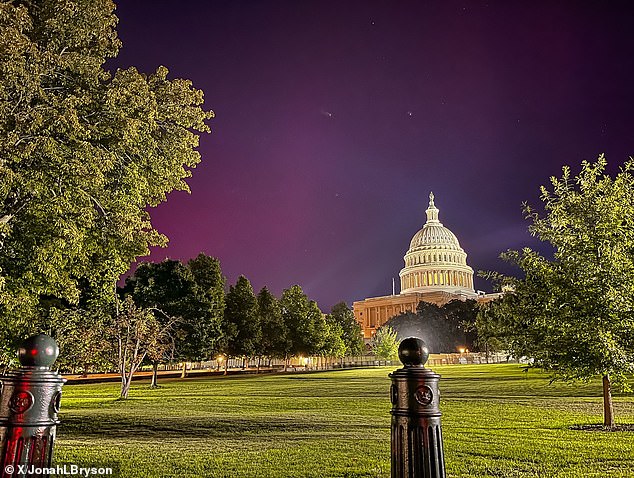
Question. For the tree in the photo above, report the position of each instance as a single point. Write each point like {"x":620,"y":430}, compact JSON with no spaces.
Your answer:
{"x":136,"y":332}
{"x":273,"y":341}
{"x":206,"y":310}
{"x":489,"y":335}
{"x":191,"y":294}
{"x":574,"y":314}
{"x":430,"y":323}
{"x":304,"y":322}
{"x":461,"y":315}
{"x":167,"y":288}
{"x":241,"y":318}
{"x":83,"y":154}
{"x":80,"y":336}
{"x":333,"y":344}
{"x":385,"y":343}
{"x":351,"y":333}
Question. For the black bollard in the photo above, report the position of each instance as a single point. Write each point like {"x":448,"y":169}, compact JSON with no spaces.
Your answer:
{"x":417,"y":450}
{"x":29,"y":403}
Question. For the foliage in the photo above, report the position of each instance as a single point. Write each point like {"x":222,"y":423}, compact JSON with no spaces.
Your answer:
{"x":241,"y":316}
{"x":574,"y":314}
{"x":442,"y":328}
{"x":462,"y":315}
{"x":193,"y":294}
{"x":274,"y":332}
{"x":168,"y":289}
{"x":351,"y":333}
{"x":203,"y":328}
{"x":385,"y":343}
{"x":304,"y":322}
{"x":81,"y":339}
{"x":333,"y":345}
{"x":136,"y":332}
{"x":83,"y":153}
{"x":489,"y":327}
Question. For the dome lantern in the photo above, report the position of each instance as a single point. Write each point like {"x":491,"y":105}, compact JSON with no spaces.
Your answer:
{"x":432,"y":211}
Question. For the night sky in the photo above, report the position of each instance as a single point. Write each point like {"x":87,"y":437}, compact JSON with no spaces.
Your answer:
{"x":335,"y":119}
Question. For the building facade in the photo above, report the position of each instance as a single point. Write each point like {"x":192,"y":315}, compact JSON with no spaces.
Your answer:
{"x":435,"y":271}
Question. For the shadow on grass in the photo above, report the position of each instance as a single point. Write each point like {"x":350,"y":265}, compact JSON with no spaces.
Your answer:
{"x":621,"y":427}
{"x":104,"y":426}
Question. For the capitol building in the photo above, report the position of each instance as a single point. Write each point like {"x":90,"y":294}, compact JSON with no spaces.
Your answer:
{"x":435,"y":271}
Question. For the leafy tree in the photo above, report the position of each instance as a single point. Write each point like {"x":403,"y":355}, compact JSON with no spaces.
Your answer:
{"x":385,"y":343}
{"x":334,"y":345}
{"x":167,"y":288}
{"x":166,"y":285}
{"x":136,"y":332}
{"x":193,"y":297}
{"x":81,"y":339}
{"x":274,"y":332}
{"x":241,"y":319}
{"x":203,"y":329}
{"x":351,"y":333}
{"x":304,"y":322}
{"x":83,"y":153}
{"x":574,"y":314}
{"x":461,"y":315}
{"x":489,"y":329}
{"x":431,"y":324}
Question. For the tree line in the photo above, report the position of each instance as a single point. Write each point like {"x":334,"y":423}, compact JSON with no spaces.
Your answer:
{"x":85,"y":153}
{"x":176,"y":312}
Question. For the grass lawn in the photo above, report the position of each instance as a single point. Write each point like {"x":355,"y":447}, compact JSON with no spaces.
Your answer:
{"x":498,"y":421}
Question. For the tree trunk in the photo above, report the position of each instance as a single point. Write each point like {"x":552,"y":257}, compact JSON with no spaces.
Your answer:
{"x":608,"y":409}
{"x":154,"y":383}
{"x":286,"y":363}
{"x":226,"y":364}
{"x":259,"y":360}
{"x":126,"y":382}
{"x":486,"y":351}
{"x":124,"y":390}
{"x":184,"y":370}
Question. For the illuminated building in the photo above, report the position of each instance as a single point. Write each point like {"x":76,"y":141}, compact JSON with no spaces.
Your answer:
{"x":435,"y":271}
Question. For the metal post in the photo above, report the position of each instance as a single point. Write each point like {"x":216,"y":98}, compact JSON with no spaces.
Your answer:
{"x":417,"y":450}
{"x":29,"y":402}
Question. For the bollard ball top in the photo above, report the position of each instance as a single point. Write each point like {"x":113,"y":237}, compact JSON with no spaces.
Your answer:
{"x":38,"y":351}
{"x":413,"y":352}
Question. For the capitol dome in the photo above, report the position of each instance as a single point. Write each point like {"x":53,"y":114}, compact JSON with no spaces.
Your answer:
{"x":435,"y":261}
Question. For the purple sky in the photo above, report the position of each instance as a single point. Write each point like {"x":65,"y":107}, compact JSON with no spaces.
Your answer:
{"x":334,"y":120}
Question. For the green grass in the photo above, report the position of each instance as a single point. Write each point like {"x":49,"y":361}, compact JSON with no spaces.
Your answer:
{"x":497,"y":422}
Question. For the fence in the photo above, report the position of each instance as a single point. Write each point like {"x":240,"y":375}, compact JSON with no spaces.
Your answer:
{"x":330,"y":363}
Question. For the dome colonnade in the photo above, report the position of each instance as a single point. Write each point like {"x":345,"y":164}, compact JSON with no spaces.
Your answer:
{"x":435,"y":261}
{"x":435,"y":271}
